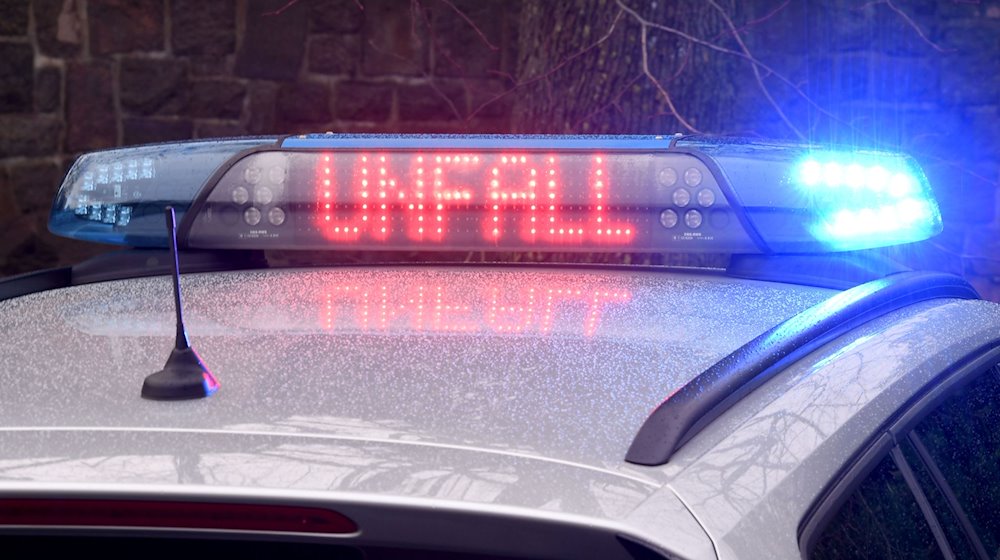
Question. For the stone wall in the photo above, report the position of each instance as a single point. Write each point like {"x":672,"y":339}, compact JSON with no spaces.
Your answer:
{"x":80,"y":75}
{"x":83,"y":75}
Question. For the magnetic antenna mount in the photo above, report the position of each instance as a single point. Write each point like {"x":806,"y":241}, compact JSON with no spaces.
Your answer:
{"x":184,"y":376}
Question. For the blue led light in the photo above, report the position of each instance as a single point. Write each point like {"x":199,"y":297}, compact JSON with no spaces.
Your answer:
{"x":854,"y":176}
{"x":878,"y":178}
{"x":833,"y":174}
{"x":900,"y":185}
{"x":810,"y":173}
{"x":886,"y":200}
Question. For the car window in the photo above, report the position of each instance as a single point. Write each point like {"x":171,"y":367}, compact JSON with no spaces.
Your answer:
{"x":963,"y":444}
{"x":954,"y":523}
{"x":881,"y":519}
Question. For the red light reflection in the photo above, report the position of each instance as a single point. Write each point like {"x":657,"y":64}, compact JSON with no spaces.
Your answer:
{"x":450,"y":308}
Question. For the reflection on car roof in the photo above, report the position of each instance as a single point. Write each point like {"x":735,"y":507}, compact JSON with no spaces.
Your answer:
{"x":473,"y":357}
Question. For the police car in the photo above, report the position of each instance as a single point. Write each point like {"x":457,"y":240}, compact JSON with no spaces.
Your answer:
{"x":807,"y":400}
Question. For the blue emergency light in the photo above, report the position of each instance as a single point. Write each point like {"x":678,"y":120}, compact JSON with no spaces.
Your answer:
{"x":537,"y":193}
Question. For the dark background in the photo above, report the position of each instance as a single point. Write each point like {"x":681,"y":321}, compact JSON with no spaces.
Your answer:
{"x":921,"y":76}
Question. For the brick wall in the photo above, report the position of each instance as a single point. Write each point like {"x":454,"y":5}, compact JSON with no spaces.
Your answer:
{"x":90,"y":74}
{"x":79,"y":75}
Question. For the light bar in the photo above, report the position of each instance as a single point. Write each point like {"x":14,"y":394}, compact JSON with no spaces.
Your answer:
{"x":452,"y":193}
{"x":867,"y":197}
{"x":118,"y":196}
{"x":460,"y":199}
{"x":807,"y":200}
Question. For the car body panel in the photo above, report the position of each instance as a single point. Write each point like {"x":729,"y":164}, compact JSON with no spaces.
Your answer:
{"x":419,"y":524}
{"x":752,"y":476}
{"x":364,"y":479}
{"x":503,"y":393}
{"x":293,"y":353}
{"x":473,"y":408}
{"x":493,"y":389}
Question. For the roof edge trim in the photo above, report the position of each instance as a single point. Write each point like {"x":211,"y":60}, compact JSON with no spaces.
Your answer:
{"x":689,"y":409}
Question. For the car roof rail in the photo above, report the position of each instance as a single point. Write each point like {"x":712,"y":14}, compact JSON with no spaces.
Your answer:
{"x":36,"y":281}
{"x":703,"y":399}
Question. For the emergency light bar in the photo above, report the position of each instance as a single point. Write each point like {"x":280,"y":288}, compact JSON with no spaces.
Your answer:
{"x":589,"y":194}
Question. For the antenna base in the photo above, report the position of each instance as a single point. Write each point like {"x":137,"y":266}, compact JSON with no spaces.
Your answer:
{"x":183,"y":377}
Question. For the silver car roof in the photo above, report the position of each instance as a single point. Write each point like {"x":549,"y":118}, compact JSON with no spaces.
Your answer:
{"x":474,"y":395}
{"x":501,"y":387}
{"x":511,"y":361}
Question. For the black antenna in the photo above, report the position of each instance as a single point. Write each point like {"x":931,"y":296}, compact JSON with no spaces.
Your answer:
{"x":184,"y":376}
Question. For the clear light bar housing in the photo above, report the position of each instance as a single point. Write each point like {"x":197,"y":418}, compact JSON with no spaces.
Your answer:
{"x":808,"y":200}
{"x":437,"y":193}
{"x":118,"y":196}
{"x":865,"y":196}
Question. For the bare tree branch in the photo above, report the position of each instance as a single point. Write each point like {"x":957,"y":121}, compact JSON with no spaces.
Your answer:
{"x":744,"y":53}
{"x":663,"y":91}
{"x":550,"y":71}
{"x":756,"y":70}
{"x":443,"y":95}
{"x":909,"y":21}
{"x":282,"y":9}
{"x":768,"y":16}
{"x":474,"y":27}
{"x":613,"y":103}
{"x":752,"y":60}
